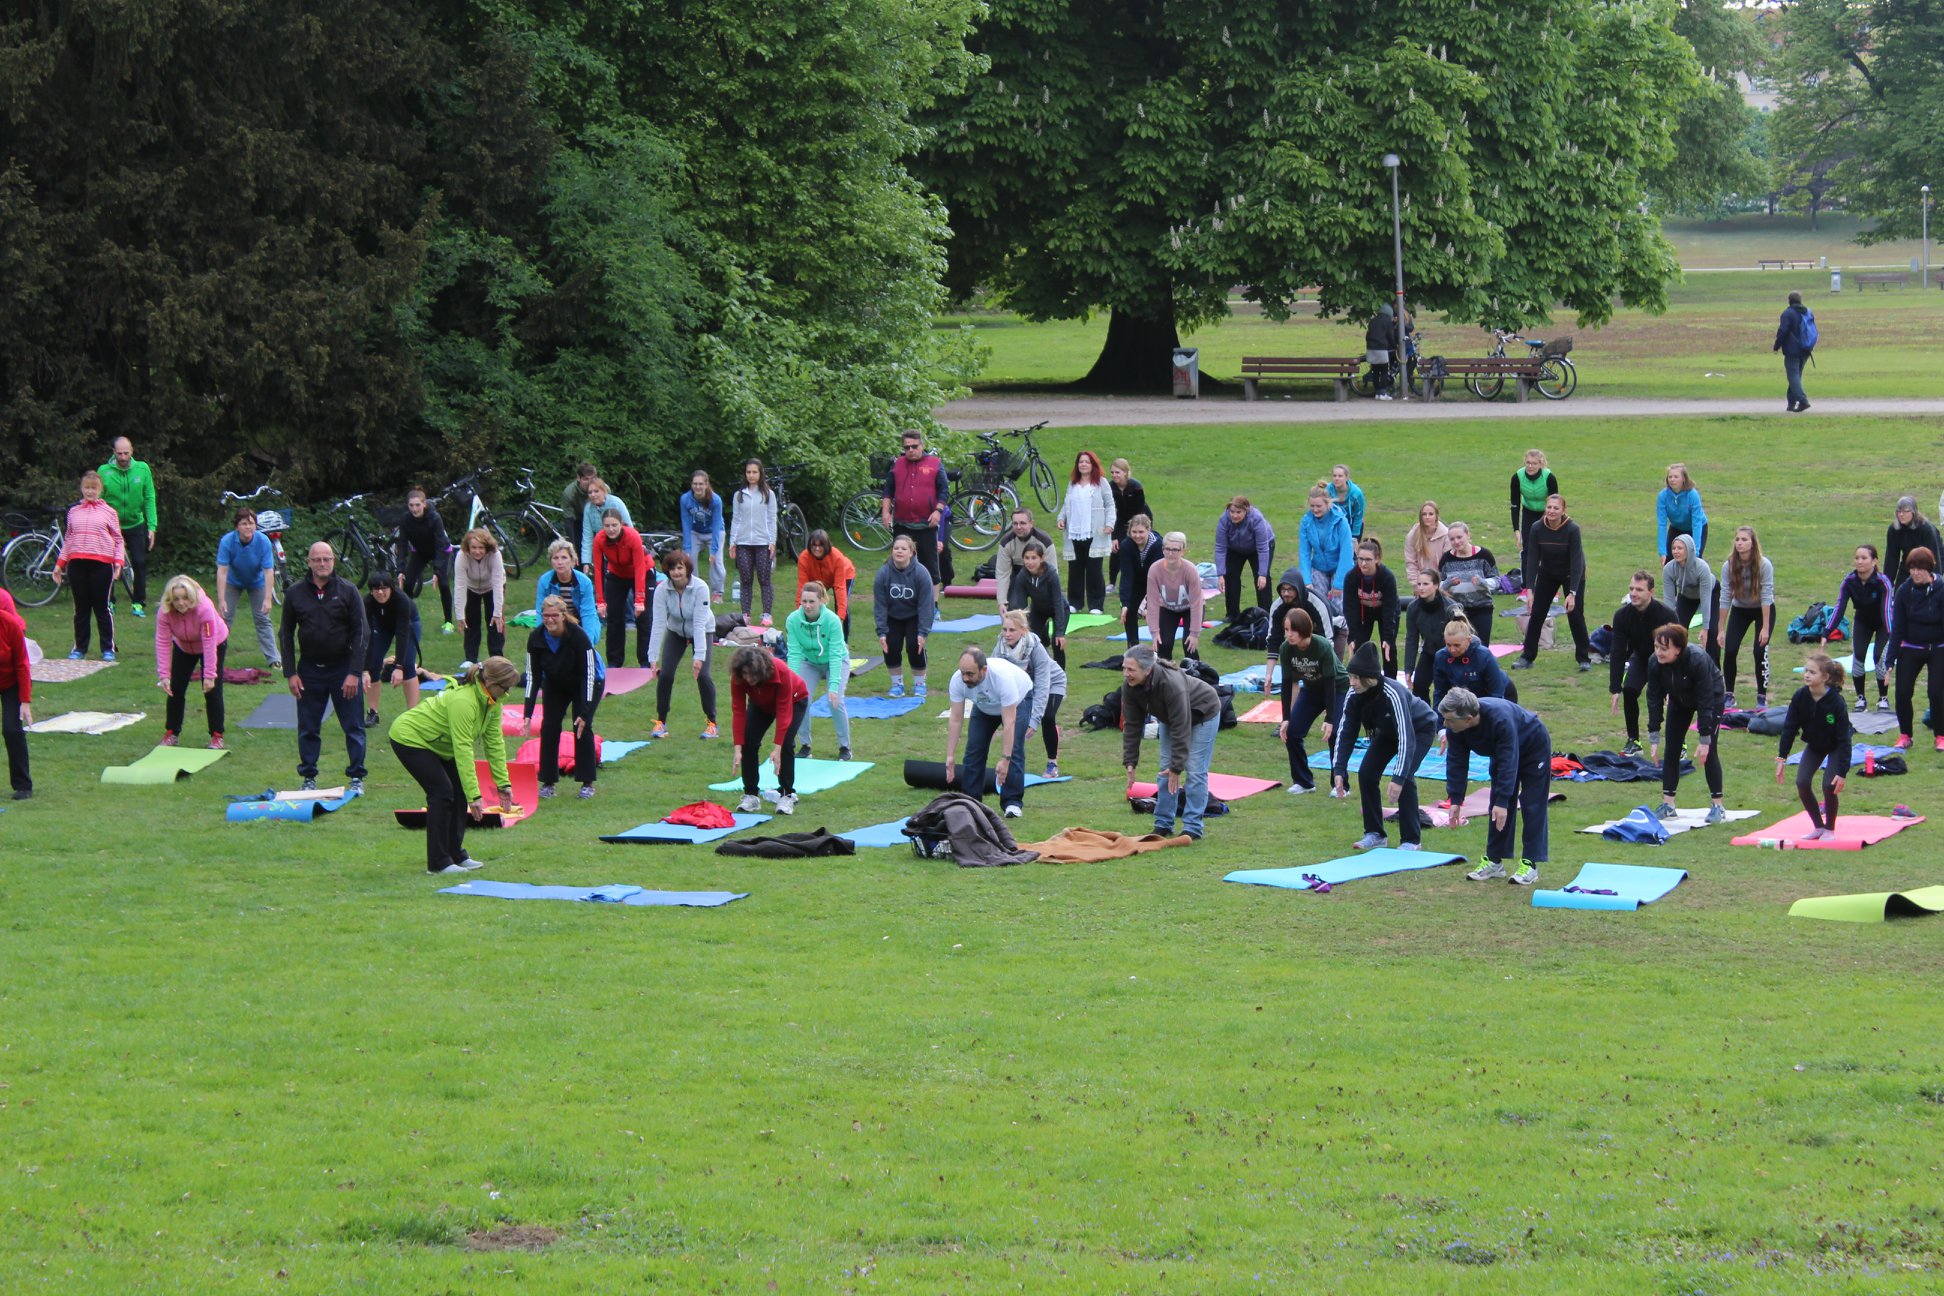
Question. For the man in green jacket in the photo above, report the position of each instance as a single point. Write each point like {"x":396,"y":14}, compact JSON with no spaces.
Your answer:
{"x":129,"y":487}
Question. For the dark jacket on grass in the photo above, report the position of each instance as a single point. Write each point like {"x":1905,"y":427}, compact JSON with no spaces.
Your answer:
{"x":790,"y":845}
{"x":979,"y":837}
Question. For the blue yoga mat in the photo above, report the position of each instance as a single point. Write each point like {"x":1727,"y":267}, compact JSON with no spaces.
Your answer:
{"x":868,"y":708}
{"x":1433,"y":768}
{"x":613,"y":749}
{"x":884,"y":834}
{"x":966,"y":624}
{"x":683,"y":833}
{"x":285,"y":811}
{"x":1857,"y":752}
{"x":1350,"y":868}
{"x":811,"y":776}
{"x":613,"y":894}
{"x":278,"y":710}
{"x":1635,"y":885}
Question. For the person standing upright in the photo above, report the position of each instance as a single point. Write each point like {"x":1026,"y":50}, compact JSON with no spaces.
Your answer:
{"x":914,"y":500}
{"x":1086,"y":515}
{"x":324,"y":640}
{"x":1532,"y":486}
{"x":16,"y":696}
{"x":91,"y":560}
{"x":1130,"y":502}
{"x":1555,"y":563}
{"x":1795,"y":338}
{"x":129,"y":487}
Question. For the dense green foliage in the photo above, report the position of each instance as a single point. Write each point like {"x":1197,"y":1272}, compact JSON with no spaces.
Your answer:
{"x":1719,"y":143}
{"x":1148,"y":158}
{"x":358,"y":244}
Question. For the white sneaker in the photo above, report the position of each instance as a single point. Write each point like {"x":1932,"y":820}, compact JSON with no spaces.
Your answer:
{"x":749,"y":805}
{"x":450,"y":868}
{"x":1485,"y":872}
{"x":1014,"y":812}
{"x":1297,"y":789}
{"x":470,"y":865}
{"x":786,"y":804}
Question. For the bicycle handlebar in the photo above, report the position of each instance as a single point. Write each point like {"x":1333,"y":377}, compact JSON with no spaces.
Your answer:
{"x":231,"y":497}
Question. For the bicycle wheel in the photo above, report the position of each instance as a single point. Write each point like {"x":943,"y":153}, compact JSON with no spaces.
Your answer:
{"x":27,"y":569}
{"x":1486,"y":388}
{"x":1365,"y":383}
{"x":792,"y":531}
{"x":526,"y":544}
{"x":1045,"y":487}
{"x":863,"y":522}
{"x":979,"y":517}
{"x":353,"y":559}
{"x":279,"y":576}
{"x":509,"y":550}
{"x":1557,"y":378}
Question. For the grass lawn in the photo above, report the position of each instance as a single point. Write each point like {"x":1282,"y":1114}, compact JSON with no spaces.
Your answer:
{"x":1741,"y":240}
{"x":272,"y":1058}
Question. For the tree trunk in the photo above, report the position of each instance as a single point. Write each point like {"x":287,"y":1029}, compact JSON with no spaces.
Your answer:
{"x":1137,"y":358}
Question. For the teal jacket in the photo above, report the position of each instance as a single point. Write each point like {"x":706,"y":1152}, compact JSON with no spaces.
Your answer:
{"x":819,"y":642}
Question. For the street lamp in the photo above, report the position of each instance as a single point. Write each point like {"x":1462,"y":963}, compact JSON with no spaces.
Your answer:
{"x":1925,"y":281}
{"x":1391,"y":161}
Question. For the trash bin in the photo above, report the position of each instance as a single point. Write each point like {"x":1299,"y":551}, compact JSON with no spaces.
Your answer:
{"x":1187,"y":372}
{"x":1836,"y":281}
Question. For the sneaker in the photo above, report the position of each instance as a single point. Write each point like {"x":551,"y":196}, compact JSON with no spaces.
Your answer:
{"x":843,"y":753}
{"x":1903,"y":742}
{"x":1585,"y":666}
{"x":446,"y":628}
{"x":1817,"y":834}
{"x":136,"y":609}
{"x":547,"y":792}
{"x":1716,"y":815}
{"x":1370,"y":841}
{"x":1632,"y":748}
{"x":1093,"y":612}
{"x":1728,"y":703}
{"x":1410,"y":845}
{"x":803,"y":752}
{"x":1883,"y":704}
{"x":1761,"y":701}
{"x":1522,"y":664}
{"x":23,"y":794}
{"x":372,"y":718}
{"x":1486,"y":872}
{"x":354,"y":788}
{"x":1052,"y":770}
{"x":215,"y":742}
{"x":897,"y":689}
{"x":76,"y":655}
{"x":1666,"y":810}
{"x":586,"y":792}
{"x":1528,"y":874}
{"x":168,"y":739}
{"x":710,"y":731}
{"x":786,"y":804}
{"x":1014,"y":812}
{"x":1384,"y":396}
{"x":1297,"y":789}
{"x":918,"y":690}
{"x":1862,"y":704}
{"x":1940,"y":742}
{"x":469,"y":865}
{"x":108,"y":654}
{"x":766,"y":620}
{"x":749,"y":805}
{"x":310,"y":785}
{"x":450,"y":868}
{"x":659,"y":731}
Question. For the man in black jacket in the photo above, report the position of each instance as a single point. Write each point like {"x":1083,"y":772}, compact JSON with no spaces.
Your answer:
{"x":1188,"y":713}
{"x":1632,"y":652}
{"x":325,"y":639}
{"x":1792,"y":340}
{"x":1400,"y":725}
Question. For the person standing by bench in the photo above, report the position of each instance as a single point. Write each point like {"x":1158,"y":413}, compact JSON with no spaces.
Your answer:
{"x":1795,"y":338}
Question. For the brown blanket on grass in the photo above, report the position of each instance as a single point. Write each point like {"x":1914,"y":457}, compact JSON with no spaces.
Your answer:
{"x":1088,"y":846}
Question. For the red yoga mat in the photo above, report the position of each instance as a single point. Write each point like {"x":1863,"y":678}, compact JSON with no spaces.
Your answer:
{"x":525,"y":777}
{"x":987,"y":588}
{"x":1853,"y":832}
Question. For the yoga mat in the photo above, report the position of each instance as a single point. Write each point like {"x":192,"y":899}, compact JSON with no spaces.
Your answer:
{"x":87,"y":722}
{"x":625,"y":679}
{"x":1088,"y":620}
{"x":884,"y":834}
{"x":1848,"y":662}
{"x":614,"y":749}
{"x":965,"y":624}
{"x":862,"y":665}
{"x":1857,"y":752}
{"x":930,"y":776}
{"x":664,"y":833}
{"x":868,"y":708}
{"x":1853,"y":832}
{"x":1246,"y":681}
{"x":525,"y":777}
{"x":1683,"y":821}
{"x":278,"y":710}
{"x":1147,"y":635}
{"x":60,"y":670}
{"x":1506,"y":650}
{"x":1268,"y":711}
{"x":611,"y":894}
{"x":291,"y":807}
{"x":987,"y":588}
{"x":1877,"y":906}
{"x":1636,"y":887}
{"x":1433,"y":767}
{"x":1478,"y":804}
{"x":1350,"y":868}
{"x":1873,"y":722}
{"x":811,"y":776}
{"x":163,"y":765}
{"x":1226,"y":787}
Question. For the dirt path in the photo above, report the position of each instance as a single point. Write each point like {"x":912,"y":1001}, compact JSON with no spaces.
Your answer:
{"x":980,"y":412}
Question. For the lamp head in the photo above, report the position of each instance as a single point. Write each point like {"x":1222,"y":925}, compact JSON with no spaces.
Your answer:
{"x":1391,"y":160}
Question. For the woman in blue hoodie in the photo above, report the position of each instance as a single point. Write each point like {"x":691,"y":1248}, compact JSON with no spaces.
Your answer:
{"x":701,"y":511}
{"x":1678,"y":511}
{"x":1324,"y":550}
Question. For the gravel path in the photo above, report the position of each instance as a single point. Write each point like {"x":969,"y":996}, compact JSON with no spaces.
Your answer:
{"x":979,"y":412}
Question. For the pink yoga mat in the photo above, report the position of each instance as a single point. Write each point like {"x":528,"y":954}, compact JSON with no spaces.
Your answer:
{"x":987,"y":588}
{"x":625,"y":679}
{"x":1228,"y":787}
{"x":1505,"y":650}
{"x":1853,"y":832}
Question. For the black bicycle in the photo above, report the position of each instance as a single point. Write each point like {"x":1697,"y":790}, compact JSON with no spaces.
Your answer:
{"x":465,"y":492}
{"x":983,"y":506}
{"x":792,"y":527}
{"x":273,"y":518}
{"x":361,"y":549}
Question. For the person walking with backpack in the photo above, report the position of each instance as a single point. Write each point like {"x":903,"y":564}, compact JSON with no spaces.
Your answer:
{"x":1795,"y":338}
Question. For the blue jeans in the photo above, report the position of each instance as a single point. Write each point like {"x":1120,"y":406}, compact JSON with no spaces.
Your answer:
{"x":324,"y":691}
{"x":1792,"y":366}
{"x":832,"y":677}
{"x":1194,"y":783}
{"x":979,"y":732}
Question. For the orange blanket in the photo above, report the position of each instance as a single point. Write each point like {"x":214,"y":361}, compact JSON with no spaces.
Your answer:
{"x":1087,"y":846}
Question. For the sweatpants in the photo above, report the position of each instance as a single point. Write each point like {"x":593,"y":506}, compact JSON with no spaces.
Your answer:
{"x":1371,"y":779}
{"x":556,"y":717}
{"x":445,"y":804}
{"x":266,"y":633}
{"x":1086,"y":582}
{"x":832,"y":677}
{"x":1912,"y":658}
{"x":673,"y":646}
{"x":1545,"y":587}
{"x":756,"y":723}
{"x":16,"y":741}
{"x":92,"y":581}
{"x":902,"y":640}
{"x":1861,"y":637}
{"x":185,"y":670}
{"x":479,"y":616}
{"x":1534,"y":787}
{"x":1303,"y":714}
{"x":1237,"y":559}
{"x":1679,"y":716}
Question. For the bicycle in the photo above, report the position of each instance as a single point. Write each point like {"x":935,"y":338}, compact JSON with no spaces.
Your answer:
{"x":1046,"y":485}
{"x":1558,"y":378}
{"x":31,"y":558}
{"x":982,"y":509}
{"x":536,"y":526}
{"x":862,"y":517}
{"x":359,"y":551}
{"x":479,"y":515}
{"x":792,"y":527}
{"x":1365,"y":382}
{"x":273,"y":522}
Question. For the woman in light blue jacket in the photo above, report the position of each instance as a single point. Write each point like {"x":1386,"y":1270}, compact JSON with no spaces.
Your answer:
{"x":576,"y":587}
{"x":701,"y":510}
{"x":1678,"y":512}
{"x":752,"y":531}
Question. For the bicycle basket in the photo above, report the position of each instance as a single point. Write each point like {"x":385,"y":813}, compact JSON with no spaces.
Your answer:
{"x":1005,"y":465}
{"x":275,"y":520}
{"x":391,"y":515}
{"x":1558,"y":347}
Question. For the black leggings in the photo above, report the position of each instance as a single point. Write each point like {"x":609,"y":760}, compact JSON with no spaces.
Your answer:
{"x":1043,"y":627}
{"x":1545,"y":586}
{"x":1679,"y":716}
{"x":479,"y":613}
{"x":673,"y":646}
{"x":1806,"y":787}
{"x":184,"y":670}
{"x":1086,"y":584}
{"x":1740,"y":621}
{"x":411,"y":578}
{"x":1050,"y":725}
{"x":1685,"y":607}
{"x":557,"y":717}
{"x":16,"y":741}
{"x":1910,"y":660}
{"x":1236,"y":561}
{"x":756,"y":723}
{"x":900,"y":641}
{"x":1860,"y":649}
{"x":92,"y":581}
{"x":445,"y":804}
{"x":1172,"y":622}
{"x":618,"y":593}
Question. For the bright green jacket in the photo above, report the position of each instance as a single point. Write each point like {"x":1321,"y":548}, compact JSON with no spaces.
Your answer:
{"x":448,"y":723}
{"x":131,"y":493}
{"x":820,"y":641}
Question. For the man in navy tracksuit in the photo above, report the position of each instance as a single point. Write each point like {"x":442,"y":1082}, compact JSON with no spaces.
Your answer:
{"x":1400,"y":725}
{"x":1520,"y":751}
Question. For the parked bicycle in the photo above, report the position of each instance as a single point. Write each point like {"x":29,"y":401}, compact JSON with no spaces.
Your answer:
{"x":28,"y":563}
{"x":1366,"y":379}
{"x":360,"y":549}
{"x":1558,"y":378}
{"x":792,"y":527}
{"x":466,"y":492}
{"x":1046,"y":483}
{"x":862,"y":517}
{"x":273,"y":518}
{"x":535,"y":525}
{"x":983,"y":506}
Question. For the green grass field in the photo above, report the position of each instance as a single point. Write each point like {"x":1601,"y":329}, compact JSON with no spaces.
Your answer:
{"x":1738,"y":242}
{"x":272,"y":1058}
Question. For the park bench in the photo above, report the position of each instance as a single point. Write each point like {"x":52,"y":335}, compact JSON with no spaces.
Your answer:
{"x":1783,"y":263}
{"x":1884,"y":281}
{"x":1339,"y":370}
{"x":1522,"y":370}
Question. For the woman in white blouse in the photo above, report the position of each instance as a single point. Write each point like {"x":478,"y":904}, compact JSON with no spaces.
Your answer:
{"x":1087,"y":517}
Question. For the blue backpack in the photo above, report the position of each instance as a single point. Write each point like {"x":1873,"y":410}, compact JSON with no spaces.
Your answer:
{"x":1806,"y":329}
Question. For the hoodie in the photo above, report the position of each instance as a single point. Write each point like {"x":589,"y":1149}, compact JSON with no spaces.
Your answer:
{"x":1693,"y":579}
{"x":819,"y":642}
{"x":1324,"y":545}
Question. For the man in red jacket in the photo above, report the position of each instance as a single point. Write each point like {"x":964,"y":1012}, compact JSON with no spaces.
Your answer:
{"x":16,"y":696}
{"x":914,"y":499}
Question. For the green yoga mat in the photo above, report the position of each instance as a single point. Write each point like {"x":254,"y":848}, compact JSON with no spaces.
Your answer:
{"x":163,"y":765}
{"x":811,"y":776}
{"x":1874,"y":907}
{"x":1088,"y":620}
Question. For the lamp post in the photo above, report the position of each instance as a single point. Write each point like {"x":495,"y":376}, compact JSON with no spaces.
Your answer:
{"x":1391,"y":161}
{"x":1925,"y":281}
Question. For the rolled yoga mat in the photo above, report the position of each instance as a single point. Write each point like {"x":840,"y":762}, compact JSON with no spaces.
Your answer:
{"x":930,"y":776}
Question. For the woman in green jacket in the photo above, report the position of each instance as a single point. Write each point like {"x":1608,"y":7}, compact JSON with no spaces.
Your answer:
{"x":434,"y":742}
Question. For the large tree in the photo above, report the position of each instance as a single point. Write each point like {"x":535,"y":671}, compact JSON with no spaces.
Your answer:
{"x":1717,"y":132}
{"x":1145,"y":157}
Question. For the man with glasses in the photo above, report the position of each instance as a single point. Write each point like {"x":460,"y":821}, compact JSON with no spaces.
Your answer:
{"x":914,"y":499}
{"x":324,"y":638}
{"x":1000,"y":694}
